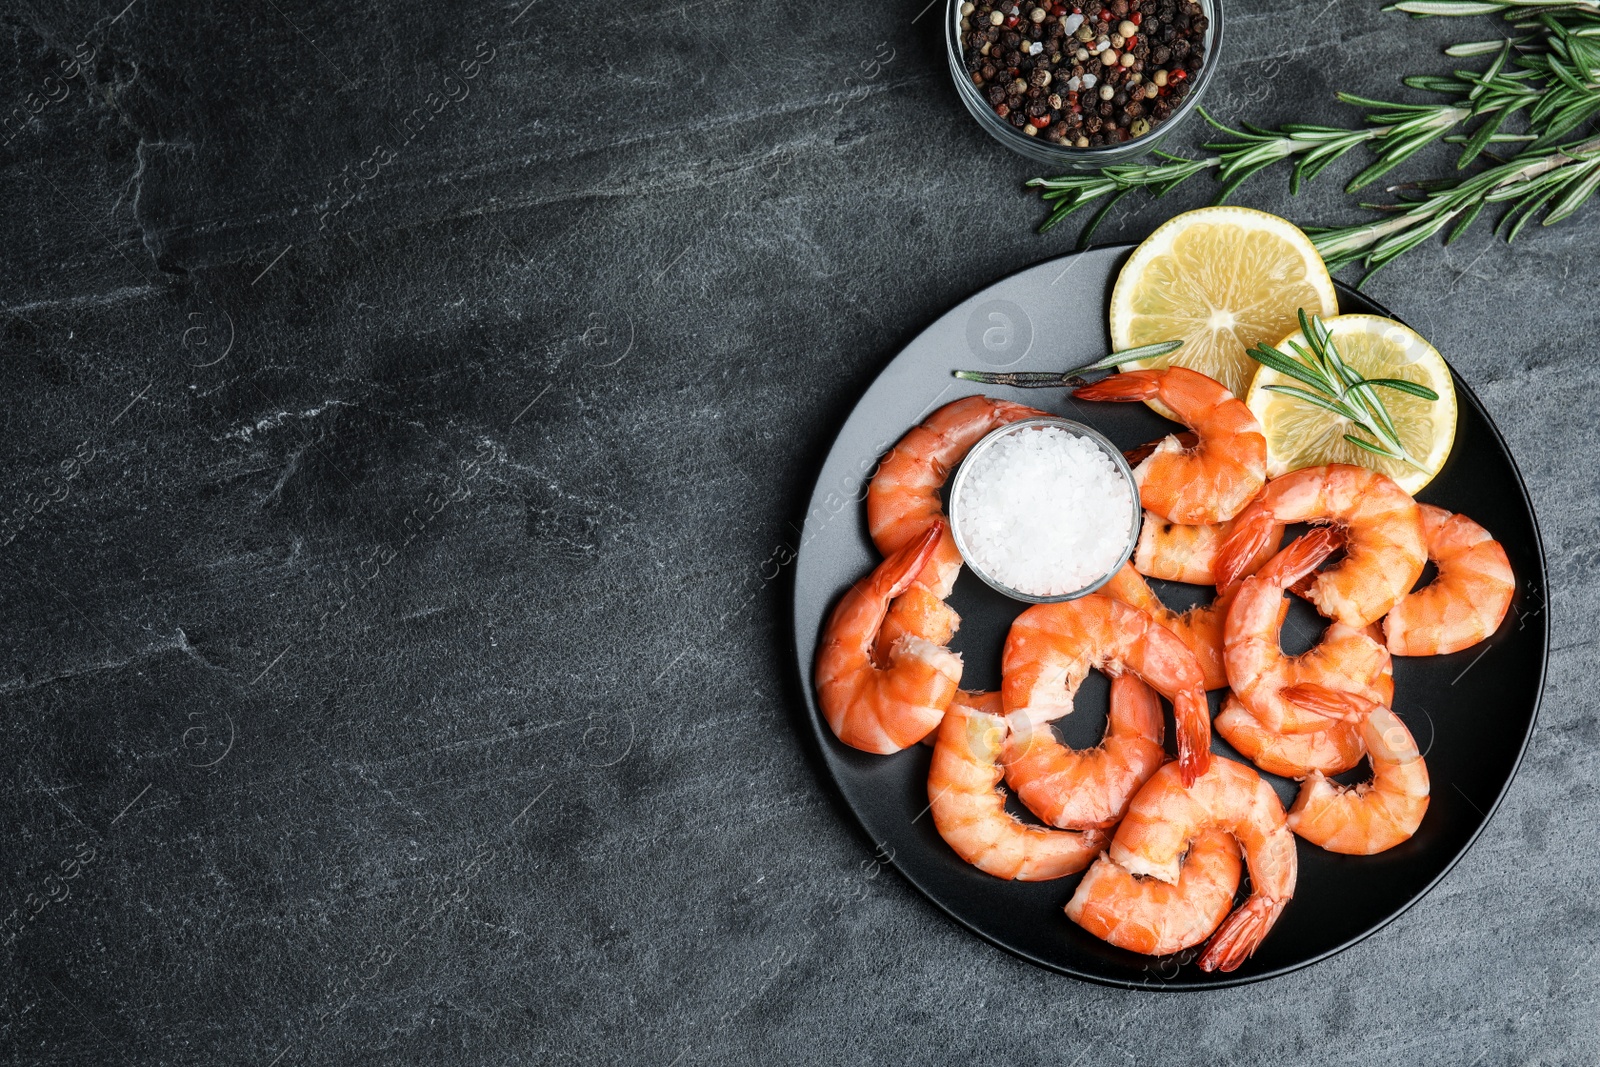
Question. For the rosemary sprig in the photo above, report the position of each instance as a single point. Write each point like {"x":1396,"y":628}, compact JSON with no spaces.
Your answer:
{"x":1067,"y":378}
{"x":1333,"y":385}
{"x":1073,"y":192}
{"x":1557,"y":181}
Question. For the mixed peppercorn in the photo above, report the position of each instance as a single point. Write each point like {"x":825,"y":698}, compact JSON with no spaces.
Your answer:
{"x":1085,"y":73}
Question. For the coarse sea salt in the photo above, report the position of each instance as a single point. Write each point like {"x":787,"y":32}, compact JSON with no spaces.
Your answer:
{"x":1044,"y":511}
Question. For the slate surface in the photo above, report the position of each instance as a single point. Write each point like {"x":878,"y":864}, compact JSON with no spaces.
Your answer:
{"x":394,"y":667}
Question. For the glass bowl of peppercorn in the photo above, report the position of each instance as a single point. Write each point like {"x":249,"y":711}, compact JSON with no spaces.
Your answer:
{"x":1084,"y":83}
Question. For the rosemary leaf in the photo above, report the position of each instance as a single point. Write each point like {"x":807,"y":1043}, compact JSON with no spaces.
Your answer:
{"x":1370,"y":447}
{"x":1334,"y":406}
{"x":1275,"y":360}
{"x":1403,"y":386}
{"x":1131,"y":355}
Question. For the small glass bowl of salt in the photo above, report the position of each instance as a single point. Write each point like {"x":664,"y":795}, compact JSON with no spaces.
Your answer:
{"x":1044,"y":510}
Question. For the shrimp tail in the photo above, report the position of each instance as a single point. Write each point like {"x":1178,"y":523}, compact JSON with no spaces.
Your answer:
{"x":1192,"y":716}
{"x":1302,"y":586}
{"x":902,"y":568}
{"x":1346,"y":707}
{"x":1124,"y":387}
{"x":1239,"y":935}
{"x":1303,"y":556}
{"x":1251,"y":532}
{"x":1135,"y":456}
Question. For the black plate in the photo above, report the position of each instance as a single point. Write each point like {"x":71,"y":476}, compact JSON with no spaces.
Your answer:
{"x":1472,"y":712}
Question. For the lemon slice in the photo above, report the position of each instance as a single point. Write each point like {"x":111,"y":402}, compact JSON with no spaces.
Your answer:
{"x":1304,"y":435}
{"x":1221,"y":279}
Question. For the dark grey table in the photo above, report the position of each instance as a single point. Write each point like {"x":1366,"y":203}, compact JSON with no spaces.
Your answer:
{"x":409,"y":409}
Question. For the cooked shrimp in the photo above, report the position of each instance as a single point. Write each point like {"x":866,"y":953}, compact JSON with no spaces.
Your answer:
{"x":920,"y":613}
{"x":884,"y":709}
{"x":1051,"y":648}
{"x":1364,"y":819}
{"x":1150,"y":916}
{"x":1384,"y":546}
{"x":1086,"y":788}
{"x":903,"y":497}
{"x":1214,"y":479}
{"x":1465,"y":602}
{"x":1330,"y":751}
{"x":1258,"y":668}
{"x":1179,"y":553}
{"x":969,"y":810}
{"x":1200,"y":627}
{"x":1165,"y":817}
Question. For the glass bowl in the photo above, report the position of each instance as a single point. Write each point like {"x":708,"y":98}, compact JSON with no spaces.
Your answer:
{"x":953,"y":505}
{"x":1065,"y":157}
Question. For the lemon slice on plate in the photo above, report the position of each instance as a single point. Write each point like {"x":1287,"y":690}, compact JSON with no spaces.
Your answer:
{"x":1222,"y":280}
{"x":1300,"y":434}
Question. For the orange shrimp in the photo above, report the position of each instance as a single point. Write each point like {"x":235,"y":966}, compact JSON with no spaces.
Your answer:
{"x":1329,"y":751}
{"x":920,"y":613}
{"x":1178,"y":553}
{"x":1200,"y":627}
{"x":903,"y":497}
{"x":1051,"y":648}
{"x":1258,"y":669}
{"x":1333,"y":750}
{"x":1385,"y":550}
{"x":1087,"y":788}
{"x":1150,"y":916}
{"x":969,"y":809}
{"x":1224,"y":470}
{"x":1376,"y":815}
{"x":1166,"y":816}
{"x":884,"y":709}
{"x":1465,"y":602}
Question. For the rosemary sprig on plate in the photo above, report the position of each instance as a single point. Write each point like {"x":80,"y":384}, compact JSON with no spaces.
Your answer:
{"x":1330,"y":383}
{"x":1068,"y":378}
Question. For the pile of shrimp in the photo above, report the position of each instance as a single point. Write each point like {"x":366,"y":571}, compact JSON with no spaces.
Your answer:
{"x":1166,"y":842}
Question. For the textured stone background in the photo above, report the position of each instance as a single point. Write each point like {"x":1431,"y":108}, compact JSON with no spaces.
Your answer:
{"x":395,"y":667}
